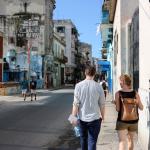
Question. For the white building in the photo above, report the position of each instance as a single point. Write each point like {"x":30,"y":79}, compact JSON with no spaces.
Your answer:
{"x":67,"y":30}
{"x":144,"y":72}
{"x":59,"y":46}
{"x":121,"y":13}
{"x":131,"y":54}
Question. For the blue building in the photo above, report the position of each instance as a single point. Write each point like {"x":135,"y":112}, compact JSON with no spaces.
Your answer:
{"x":105,"y":71}
{"x":106,"y":28}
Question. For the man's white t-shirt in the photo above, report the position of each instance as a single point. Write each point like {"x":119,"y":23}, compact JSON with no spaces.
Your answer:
{"x":89,"y":97}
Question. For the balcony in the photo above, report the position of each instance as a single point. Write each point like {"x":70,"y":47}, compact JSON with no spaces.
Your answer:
{"x":112,"y":10}
{"x":105,"y":17}
{"x":62,"y":59}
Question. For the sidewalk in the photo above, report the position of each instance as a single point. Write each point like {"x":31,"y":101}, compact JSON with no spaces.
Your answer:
{"x":108,"y":139}
{"x":41,"y":94}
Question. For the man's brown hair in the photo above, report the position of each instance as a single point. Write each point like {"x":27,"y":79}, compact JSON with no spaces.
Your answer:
{"x":90,"y":71}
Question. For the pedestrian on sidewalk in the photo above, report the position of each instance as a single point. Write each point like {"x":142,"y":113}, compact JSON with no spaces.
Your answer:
{"x":128,"y":102}
{"x":24,"y":87}
{"x":89,"y":105}
{"x":104,"y":85}
{"x":33,"y":84}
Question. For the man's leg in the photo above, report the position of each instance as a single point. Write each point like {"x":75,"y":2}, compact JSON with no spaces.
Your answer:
{"x":35,"y":96}
{"x":31,"y":95}
{"x":83,"y":135}
{"x":93,"y":132}
{"x":24,"y":95}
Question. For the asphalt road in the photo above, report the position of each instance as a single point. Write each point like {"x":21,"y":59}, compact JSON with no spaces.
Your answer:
{"x":38,"y":125}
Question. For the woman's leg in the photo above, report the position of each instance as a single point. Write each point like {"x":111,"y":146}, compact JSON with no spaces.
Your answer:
{"x":130,"y":140}
{"x":122,"y":134}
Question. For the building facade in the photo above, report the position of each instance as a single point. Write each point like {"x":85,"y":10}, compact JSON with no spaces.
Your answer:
{"x":25,"y":26}
{"x":59,"y":46}
{"x":121,"y":17}
{"x":85,"y":50}
{"x":106,"y":29}
{"x":144,"y":72}
{"x":131,"y":54}
{"x":67,"y":30}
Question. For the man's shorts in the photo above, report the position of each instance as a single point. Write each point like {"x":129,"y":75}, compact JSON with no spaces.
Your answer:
{"x":33,"y":91}
{"x":24,"y":91}
{"x":128,"y":126}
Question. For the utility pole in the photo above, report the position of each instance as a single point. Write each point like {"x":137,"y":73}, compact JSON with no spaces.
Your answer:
{"x":48,"y":58}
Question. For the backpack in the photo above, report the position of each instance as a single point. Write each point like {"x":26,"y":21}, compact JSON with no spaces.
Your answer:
{"x":104,"y":86}
{"x":129,"y":110}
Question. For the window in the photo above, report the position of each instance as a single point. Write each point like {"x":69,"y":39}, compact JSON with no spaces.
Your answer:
{"x":109,"y":41}
{"x":110,"y":36}
{"x":110,"y":29}
{"x":61,"y":29}
{"x":104,"y":44}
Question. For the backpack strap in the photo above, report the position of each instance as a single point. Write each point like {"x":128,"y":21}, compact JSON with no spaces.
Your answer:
{"x":120,"y":96}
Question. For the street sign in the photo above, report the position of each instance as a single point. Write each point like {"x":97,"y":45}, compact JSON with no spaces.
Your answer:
{"x":29,"y":29}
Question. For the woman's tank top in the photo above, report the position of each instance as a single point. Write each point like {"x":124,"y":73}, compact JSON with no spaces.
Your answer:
{"x":124,"y":94}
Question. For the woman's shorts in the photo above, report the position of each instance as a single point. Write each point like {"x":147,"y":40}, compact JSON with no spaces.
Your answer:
{"x":127,"y":126}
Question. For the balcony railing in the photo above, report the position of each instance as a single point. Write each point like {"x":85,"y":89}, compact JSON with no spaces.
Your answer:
{"x":63,"y":59}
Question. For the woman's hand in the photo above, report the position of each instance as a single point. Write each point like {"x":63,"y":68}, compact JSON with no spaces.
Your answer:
{"x":113,"y":102}
{"x":138,"y":102}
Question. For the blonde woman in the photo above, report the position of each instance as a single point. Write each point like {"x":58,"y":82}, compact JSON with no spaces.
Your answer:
{"x":126,"y":129}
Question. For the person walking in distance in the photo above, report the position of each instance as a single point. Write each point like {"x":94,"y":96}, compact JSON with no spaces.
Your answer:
{"x":127,"y":103}
{"x":89,"y":105}
{"x":33,"y":84}
{"x":104,"y":85}
{"x":24,"y":87}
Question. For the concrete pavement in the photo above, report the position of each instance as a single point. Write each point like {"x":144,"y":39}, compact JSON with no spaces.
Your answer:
{"x":108,"y":139}
{"x":37,"y":125}
{"x":18,"y":97}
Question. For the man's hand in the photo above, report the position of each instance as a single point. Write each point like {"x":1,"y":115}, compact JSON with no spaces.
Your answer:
{"x":73,"y":120}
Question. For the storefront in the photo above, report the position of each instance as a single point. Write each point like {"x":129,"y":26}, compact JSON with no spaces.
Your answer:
{"x":9,"y":71}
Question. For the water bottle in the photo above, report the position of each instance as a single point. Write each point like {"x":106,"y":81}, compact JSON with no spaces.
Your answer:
{"x":77,"y":131}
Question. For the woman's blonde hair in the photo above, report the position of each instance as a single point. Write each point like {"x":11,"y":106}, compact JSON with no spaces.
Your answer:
{"x":126,"y":78}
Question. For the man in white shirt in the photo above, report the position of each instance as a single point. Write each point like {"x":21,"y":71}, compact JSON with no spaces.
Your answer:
{"x":89,"y":105}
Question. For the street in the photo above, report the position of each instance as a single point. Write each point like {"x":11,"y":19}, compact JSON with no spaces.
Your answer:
{"x":38,"y":125}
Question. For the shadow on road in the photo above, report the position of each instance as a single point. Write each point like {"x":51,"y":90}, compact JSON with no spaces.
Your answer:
{"x":66,"y":142}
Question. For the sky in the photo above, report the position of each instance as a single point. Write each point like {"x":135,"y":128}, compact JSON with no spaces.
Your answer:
{"x":86,"y":15}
